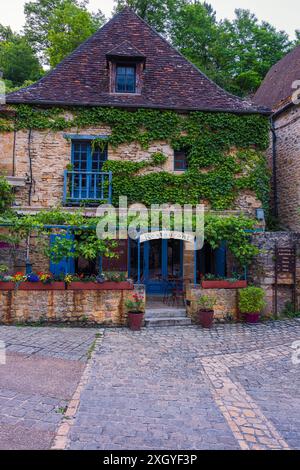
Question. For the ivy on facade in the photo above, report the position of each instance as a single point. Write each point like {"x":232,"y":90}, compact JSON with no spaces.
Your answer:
{"x":224,"y":151}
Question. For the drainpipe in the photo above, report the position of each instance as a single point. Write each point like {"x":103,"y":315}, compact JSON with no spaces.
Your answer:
{"x":274,"y":165}
{"x":30,"y":166}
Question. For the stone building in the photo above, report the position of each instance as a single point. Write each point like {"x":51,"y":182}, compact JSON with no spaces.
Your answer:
{"x":280,"y":92}
{"x":59,"y":158}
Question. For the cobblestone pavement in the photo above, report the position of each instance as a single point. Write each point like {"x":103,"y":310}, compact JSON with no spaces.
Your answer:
{"x":42,"y":370}
{"x":232,"y":387}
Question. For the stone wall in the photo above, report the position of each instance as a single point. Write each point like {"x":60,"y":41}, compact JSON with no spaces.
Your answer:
{"x":262,"y":271}
{"x":225,"y":308}
{"x":102,"y":307}
{"x":287,"y":127}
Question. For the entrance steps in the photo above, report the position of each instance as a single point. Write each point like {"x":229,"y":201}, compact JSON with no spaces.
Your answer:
{"x":166,"y":316}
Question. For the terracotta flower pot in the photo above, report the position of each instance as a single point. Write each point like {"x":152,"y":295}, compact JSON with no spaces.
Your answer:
{"x":252,"y":317}
{"x":7,"y":285}
{"x":224,"y":284}
{"x":206,"y":318}
{"x":135,"y":320}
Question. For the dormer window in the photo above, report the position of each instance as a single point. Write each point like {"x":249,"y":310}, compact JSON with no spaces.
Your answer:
{"x":126,"y":65}
{"x":125,"y":78}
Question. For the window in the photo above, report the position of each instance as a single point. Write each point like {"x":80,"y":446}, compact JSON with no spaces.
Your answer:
{"x":86,"y":159}
{"x":125,"y":79}
{"x":85,"y":181}
{"x":180,"y":160}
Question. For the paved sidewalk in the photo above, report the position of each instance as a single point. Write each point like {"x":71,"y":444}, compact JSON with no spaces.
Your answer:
{"x":37,"y":382}
{"x":233,"y":387}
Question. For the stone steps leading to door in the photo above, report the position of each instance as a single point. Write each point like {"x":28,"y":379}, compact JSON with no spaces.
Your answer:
{"x":165,"y":312}
{"x":166,"y":317}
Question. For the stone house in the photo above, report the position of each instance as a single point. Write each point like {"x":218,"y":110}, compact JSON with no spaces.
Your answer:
{"x":59,"y":136}
{"x":280,"y":92}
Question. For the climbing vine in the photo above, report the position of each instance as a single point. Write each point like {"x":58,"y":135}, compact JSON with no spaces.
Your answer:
{"x":224,"y":151}
{"x":6,"y":195}
{"x":235,"y":230}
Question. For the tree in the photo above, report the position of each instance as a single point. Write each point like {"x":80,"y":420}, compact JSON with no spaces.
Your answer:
{"x":39,"y":22}
{"x":251,"y":50}
{"x":17,"y":59}
{"x":194,"y":33}
{"x":68,"y":27}
{"x":158,"y":13}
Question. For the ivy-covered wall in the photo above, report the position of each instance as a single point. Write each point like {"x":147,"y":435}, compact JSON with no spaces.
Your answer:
{"x":225,"y":152}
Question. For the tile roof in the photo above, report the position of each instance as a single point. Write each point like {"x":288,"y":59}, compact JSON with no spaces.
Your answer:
{"x":169,"y":80}
{"x":277,"y":85}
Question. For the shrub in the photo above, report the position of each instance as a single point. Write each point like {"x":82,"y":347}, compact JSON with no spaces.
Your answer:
{"x":207,"y":302}
{"x":251,"y":299}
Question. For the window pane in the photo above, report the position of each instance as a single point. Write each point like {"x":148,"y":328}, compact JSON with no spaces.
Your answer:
{"x":180,"y":160}
{"x":125,"y":79}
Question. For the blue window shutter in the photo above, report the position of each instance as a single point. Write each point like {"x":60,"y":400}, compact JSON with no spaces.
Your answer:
{"x":66,"y":265}
{"x":220,"y":260}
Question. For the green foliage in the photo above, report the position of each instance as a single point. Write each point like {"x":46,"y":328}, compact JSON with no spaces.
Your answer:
{"x":51,"y":21}
{"x":17,"y":59}
{"x":69,"y":25}
{"x":207,"y":302}
{"x":215,"y":173}
{"x":289,"y":312}
{"x":6,"y":195}
{"x":235,"y":230}
{"x":194,"y":32}
{"x":251,"y":299}
{"x":85,"y":244}
{"x":251,"y":50}
{"x":158,"y":13}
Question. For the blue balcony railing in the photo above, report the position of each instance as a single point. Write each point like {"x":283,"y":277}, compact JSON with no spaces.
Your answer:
{"x":87,"y":187}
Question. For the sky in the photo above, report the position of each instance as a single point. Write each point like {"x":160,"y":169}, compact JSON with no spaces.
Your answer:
{"x":282,"y":14}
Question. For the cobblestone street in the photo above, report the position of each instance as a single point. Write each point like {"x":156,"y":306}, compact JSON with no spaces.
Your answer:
{"x":43,"y":367}
{"x":232,"y":387}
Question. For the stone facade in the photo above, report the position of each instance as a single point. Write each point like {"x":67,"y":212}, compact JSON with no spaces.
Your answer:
{"x":102,"y":307}
{"x":262,"y":271}
{"x":287,"y":126}
{"x":50,"y":153}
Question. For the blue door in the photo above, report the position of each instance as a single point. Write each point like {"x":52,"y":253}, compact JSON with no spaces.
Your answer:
{"x":87,"y":166}
{"x":162,"y":264}
{"x":66,"y":265}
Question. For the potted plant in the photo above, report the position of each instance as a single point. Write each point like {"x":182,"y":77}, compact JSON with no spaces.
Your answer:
{"x":6,"y":282}
{"x":251,"y":303}
{"x":211,"y":281}
{"x":206,"y":310}
{"x":135,"y":309}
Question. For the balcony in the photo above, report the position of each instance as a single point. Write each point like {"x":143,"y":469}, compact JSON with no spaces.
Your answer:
{"x":87,"y":188}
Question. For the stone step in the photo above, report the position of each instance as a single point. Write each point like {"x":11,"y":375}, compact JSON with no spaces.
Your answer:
{"x":169,"y":321}
{"x":165,"y":313}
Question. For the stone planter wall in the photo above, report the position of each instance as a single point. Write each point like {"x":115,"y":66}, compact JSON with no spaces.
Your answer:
{"x":262,"y":271}
{"x":103,"y":307}
{"x":226,"y":307}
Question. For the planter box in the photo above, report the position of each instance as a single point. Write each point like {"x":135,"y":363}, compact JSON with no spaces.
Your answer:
{"x":7,"y":285}
{"x":108,"y":285}
{"x":41,"y":286}
{"x":223,"y":284}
